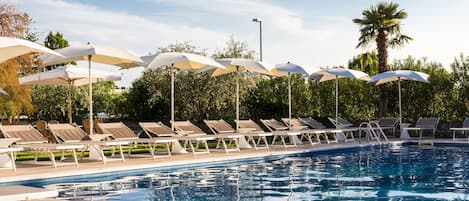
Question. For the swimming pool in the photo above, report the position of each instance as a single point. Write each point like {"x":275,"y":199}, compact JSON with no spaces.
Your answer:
{"x":406,"y":172}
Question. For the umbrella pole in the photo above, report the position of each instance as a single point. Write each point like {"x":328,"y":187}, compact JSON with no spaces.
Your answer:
{"x":289,"y":101}
{"x":400,"y":101}
{"x":237,"y":99}
{"x":69,"y":100}
{"x":172,"y":96}
{"x":336,"y":99}
{"x":90,"y":90}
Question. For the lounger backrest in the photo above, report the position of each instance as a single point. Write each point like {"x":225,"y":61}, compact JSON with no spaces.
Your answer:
{"x":274,"y":125}
{"x":427,"y":122}
{"x":295,"y":124}
{"x":340,"y":122}
{"x":219,"y":126}
{"x":26,"y":133}
{"x":313,"y":123}
{"x":388,"y":122}
{"x":156,"y":129}
{"x":250,"y":124}
{"x":187,"y":126}
{"x":465,"y":123}
{"x":118,"y":130}
{"x":41,"y":126}
{"x":67,"y":133}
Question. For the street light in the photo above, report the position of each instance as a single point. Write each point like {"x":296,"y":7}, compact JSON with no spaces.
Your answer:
{"x":260,"y":36}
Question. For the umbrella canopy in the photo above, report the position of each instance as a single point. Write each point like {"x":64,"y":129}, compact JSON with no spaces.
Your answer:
{"x":399,"y":75}
{"x":93,"y":53}
{"x":287,"y":69}
{"x":185,"y":61}
{"x":99,"y":54}
{"x":69,"y":76}
{"x":336,"y":73}
{"x":236,"y":65}
{"x":14,"y":47}
{"x":390,"y":76}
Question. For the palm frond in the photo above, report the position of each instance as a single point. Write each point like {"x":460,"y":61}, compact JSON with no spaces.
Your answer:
{"x":399,"y":40}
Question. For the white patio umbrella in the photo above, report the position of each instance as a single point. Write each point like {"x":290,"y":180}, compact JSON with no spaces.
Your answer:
{"x":14,"y":47}
{"x":236,"y":65}
{"x":399,"y":75}
{"x":69,"y":76}
{"x":286,"y":70}
{"x":93,"y":53}
{"x":336,"y":73}
{"x":180,"y":60}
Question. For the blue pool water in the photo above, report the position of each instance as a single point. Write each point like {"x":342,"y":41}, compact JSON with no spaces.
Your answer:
{"x":372,"y":173}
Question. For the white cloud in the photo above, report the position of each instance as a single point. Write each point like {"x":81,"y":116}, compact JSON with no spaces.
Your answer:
{"x":321,"y":40}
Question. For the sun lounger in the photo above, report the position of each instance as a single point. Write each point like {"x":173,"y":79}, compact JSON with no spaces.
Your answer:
{"x":340,"y":122}
{"x":120,"y":131}
{"x":8,"y":153}
{"x":187,"y":127}
{"x":281,"y":131}
{"x":158,"y":129}
{"x":388,"y":123}
{"x":464,"y":128}
{"x":346,"y":133}
{"x":251,"y":127}
{"x":96,"y":144}
{"x":424,"y":124}
{"x":32,"y":140}
{"x":307,"y":132}
{"x":223,"y":127}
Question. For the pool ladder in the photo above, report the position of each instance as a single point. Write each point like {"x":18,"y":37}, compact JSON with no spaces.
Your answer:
{"x":373,"y":132}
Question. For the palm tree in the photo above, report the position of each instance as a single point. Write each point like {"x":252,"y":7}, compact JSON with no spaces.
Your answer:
{"x":381,"y":24}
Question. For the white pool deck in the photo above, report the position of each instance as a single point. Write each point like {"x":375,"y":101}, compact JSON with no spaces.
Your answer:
{"x":27,"y":170}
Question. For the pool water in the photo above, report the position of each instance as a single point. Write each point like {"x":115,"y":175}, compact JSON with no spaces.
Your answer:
{"x":372,"y":173}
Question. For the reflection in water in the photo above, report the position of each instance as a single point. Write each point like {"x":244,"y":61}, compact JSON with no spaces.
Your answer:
{"x":379,"y":173}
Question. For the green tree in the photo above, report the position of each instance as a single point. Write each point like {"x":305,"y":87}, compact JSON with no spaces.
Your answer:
{"x":381,"y":24}
{"x":234,"y":49}
{"x":16,"y":24}
{"x":56,"y":41}
{"x":104,"y":100}
{"x":198,"y":96}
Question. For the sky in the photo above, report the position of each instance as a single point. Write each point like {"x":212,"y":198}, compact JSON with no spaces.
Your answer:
{"x":315,"y":33}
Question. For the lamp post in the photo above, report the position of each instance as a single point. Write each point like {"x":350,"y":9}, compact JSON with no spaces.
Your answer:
{"x":260,"y":36}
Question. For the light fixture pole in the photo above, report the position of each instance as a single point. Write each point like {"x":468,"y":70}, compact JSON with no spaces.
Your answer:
{"x":260,"y":36}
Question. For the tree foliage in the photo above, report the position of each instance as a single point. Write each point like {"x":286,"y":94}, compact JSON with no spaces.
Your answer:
{"x":381,"y":24}
{"x":197,"y":96}
{"x":14,"y":23}
{"x":56,"y":41}
{"x":50,"y":102}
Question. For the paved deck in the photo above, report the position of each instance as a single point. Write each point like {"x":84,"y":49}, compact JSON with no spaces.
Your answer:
{"x":27,"y":170}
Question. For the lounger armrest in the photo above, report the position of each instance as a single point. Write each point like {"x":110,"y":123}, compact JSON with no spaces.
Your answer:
{"x":6,"y":142}
{"x":282,"y":128}
{"x":99,"y":137}
{"x":246,"y":130}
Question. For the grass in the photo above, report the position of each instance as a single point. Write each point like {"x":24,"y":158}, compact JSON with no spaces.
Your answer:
{"x":26,"y":155}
